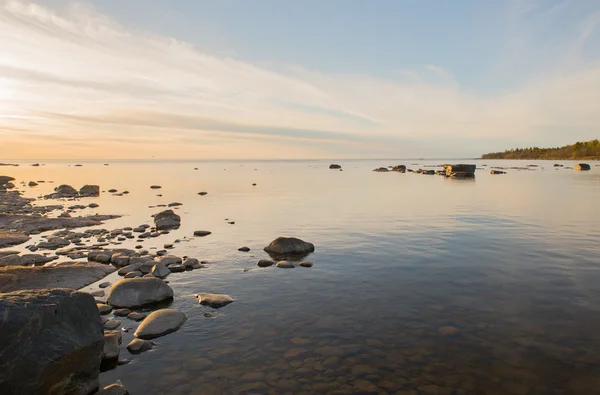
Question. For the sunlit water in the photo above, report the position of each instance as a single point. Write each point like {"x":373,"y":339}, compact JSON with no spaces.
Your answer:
{"x":510,"y":262}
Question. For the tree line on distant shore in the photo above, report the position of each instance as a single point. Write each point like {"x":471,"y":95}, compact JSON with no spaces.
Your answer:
{"x":580,"y":150}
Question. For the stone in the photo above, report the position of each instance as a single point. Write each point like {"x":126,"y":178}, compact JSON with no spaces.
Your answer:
{"x":305,"y":264}
{"x":582,"y":166}
{"x":32,"y":184}
{"x":166,"y":220}
{"x":382,"y":170}
{"x":497,"y":172}
{"x":177,"y":268}
{"x":138,"y":346}
{"x":160,"y":323}
{"x":285,"y":265}
{"x":135,"y":316}
{"x":201,"y":233}
{"x":170,"y":260}
{"x":244,"y":249}
{"x":265,"y":263}
{"x":121,"y":312}
{"x":89,"y":191}
{"x":103,"y":309}
{"x":191,"y":263}
{"x":6,"y":179}
{"x":460,"y":171}
{"x":202,"y":193}
{"x":105,"y":284}
{"x":160,"y":270}
{"x":93,"y":205}
{"x":289,"y":245}
{"x":399,"y":168}
{"x":134,"y":274}
{"x":334,"y":166}
{"x":110,"y":350}
{"x":51,"y":342}
{"x":112,"y":324}
{"x":155,"y":187}
{"x":137,"y":292}
{"x":116,"y":388}
{"x":214,"y":300}
{"x":127,"y":269}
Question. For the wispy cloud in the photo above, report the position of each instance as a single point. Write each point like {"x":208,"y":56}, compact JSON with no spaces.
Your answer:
{"x":75,"y":77}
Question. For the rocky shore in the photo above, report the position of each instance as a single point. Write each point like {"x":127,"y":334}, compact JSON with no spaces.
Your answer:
{"x":55,"y":339}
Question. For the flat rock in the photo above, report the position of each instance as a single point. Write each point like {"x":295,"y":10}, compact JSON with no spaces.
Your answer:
{"x":160,"y":323}
{"x":110,"y":350}
{"x":305,"y":264}
{"x":201,"y":233}
{"x":289,"y":245}
{"x":103,"y":309}
{"x":137,"y":292}
{"x":214,"y":300}
{"x":285,"y":265}
{"x":244,"y":249}
{"x":135,"y":316}
{"x":265,"y":263}
{"x":121,"y":312}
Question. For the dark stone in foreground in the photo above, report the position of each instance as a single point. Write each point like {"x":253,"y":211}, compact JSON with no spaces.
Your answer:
{"x":51,"y":342}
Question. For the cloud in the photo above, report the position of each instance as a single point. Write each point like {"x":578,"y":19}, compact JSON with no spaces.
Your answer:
{"x":76,"y":78}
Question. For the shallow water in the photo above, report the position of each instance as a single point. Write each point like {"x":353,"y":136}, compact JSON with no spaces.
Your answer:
{"x":510,"y":262}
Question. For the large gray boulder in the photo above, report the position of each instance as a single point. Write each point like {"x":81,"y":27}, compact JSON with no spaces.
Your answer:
{"x":51,"y":342}
{"x":136,"y":292}
{"x":166,"y":220}
{"x":289,"y":245}
{"x":160,"y":323}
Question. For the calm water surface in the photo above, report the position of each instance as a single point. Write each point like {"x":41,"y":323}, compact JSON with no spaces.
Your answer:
{"x":420,"y":285}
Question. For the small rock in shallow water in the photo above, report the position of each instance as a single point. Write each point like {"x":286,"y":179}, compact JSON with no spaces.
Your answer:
{"x":135,"y":316}
{"x":138,"y":292}
{"x":138,"y":346}
{"x":214,"y":300}
{"x":265,"y":263}
{"x":190,"y":262}
{"x":160,"y":270}
{"x":306,"y":264}
{"x":105,"y":284}
{"x":111,"y":346}
{"x":244,"y":249}
{"x":160,"y":323}
{"x":103,"y":308}
{"x":97,"y":294}
{"x":112,"y":324}
{"x":285,"y":265}
{"x":121,"y":312}
{"x":155,"y":187}
{"x":201,"y":233}
{"x":176,"y":268}
{"x":202,"y":193}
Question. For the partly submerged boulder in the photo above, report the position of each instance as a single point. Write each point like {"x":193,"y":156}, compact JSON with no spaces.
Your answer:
{"x":160,"y":323}
{"x":460,"y":171}
{"x":89,"y":191}
{"x":51,"y":342}
{"x":166,"y":220}
{"x":289,"y":245}
{"x":135,"y":292}
{"x":582,"y":166}
{"x":214,"y":300}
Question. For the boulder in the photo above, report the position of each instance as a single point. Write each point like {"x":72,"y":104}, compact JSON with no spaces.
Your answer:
{"x":51,"y":342}
{"x":5,"y":180}
{"x":166,"y":220}
{"x":137,"y":346}
{"x":289,"y":245}
{"x":89,"y":191}
{"x":135,"y":292}
{"x":214,"y":300}
{"x":160,"y":323}
{"x":169,"y":260}
{"x":334,"y":166}
{"x":111,"y":346}
{"x":65,"y":191}
{"x":160,"y":270}
{"x":582,"y":166}
{"x":191,"y":262}
{"x":460,"y":171}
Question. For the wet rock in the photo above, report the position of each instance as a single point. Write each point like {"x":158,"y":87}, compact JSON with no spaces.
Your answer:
{"x":32,"y":184}
{"x":103,"y":309}
{"x":214,"y":300}
{"x":155,"y":187}
{"x":460,"y":171}
{"x":285,"y":265}
{"x":135,"y":316}
{"x":160,"y":270}
{"x":5,"y":180}
{"x":305,"y":264}
{"x":244,"y":249}
{"x":399,"y":168}
{"x":63,"y":191}
{"x":166,"y":220}
{"x":137,"y":292}
{"x":70,"y":344}
{"x":138,"y":346}
{"x":381,"y":170}
{"x":202,"y":193}
{"x":289,"y":245}
{"x":134,"y":274}
{"x":112,"y":324}
{"x":170,"y":260}
{"x":334,"y":166}
{"x":89,"y":191}
{"x":121,"y":312}
{"x":201,"y":233}
{"x":110,"y":350}
{"x":105,"y":284}
{"x":265,"y":263}
{"x":177,"y":268}
{"x":160,"y":323}
{"x":191,"y":263}
{"x":582,"y":166}
{"x":175,"y":204}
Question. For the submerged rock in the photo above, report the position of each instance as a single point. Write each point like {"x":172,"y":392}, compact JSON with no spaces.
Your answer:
{"x":51,"y":342}
{"x":214,"y":300}
{"x":137,"y":292}
{"x":160,"y":323}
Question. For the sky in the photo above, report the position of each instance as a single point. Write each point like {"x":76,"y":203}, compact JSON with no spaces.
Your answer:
{"x":277,"y":79}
